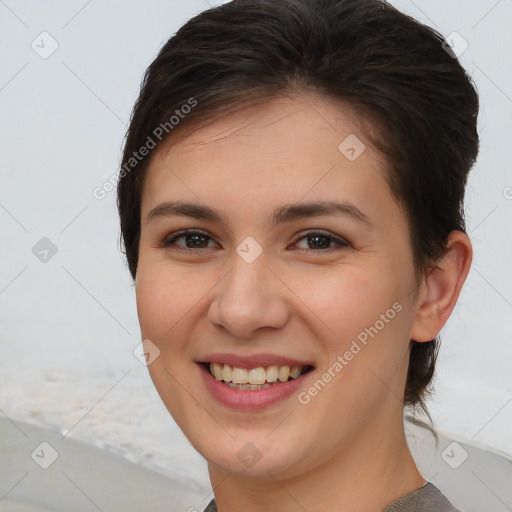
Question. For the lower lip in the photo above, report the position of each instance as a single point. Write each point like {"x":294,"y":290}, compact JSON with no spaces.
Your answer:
{"x":246,"y":399}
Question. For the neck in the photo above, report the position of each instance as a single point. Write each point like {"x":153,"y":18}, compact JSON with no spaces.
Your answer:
{"x":367,"y":474}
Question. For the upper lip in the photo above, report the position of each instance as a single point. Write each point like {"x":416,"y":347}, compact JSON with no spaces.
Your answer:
{"x":252,"y":361}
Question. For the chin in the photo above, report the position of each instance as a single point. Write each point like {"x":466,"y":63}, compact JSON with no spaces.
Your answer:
{"x":251,"y":455}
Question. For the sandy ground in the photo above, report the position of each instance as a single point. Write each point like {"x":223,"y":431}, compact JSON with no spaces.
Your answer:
{"x":43,"y":471}
{"x":80,"y":477}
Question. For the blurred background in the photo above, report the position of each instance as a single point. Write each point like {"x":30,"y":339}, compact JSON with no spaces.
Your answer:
{"x":70,"y":377}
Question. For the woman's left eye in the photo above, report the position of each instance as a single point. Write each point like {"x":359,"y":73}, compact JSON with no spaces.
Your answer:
{"x":320,"y":241}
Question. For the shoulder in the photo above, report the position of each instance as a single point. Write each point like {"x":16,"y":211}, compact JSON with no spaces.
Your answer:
{"x":426,"y":499}
{"x":212,"y":507}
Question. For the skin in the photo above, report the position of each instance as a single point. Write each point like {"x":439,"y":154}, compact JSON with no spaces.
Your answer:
{"x":346,"y":448}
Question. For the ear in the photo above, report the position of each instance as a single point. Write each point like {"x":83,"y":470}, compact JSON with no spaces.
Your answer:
{"x":441,"y":287}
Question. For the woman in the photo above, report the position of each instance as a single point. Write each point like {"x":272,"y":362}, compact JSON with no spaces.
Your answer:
{"x":291,"y":204}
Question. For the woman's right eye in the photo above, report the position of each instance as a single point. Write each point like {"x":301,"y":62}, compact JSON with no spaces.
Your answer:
{"x":193,"y":240}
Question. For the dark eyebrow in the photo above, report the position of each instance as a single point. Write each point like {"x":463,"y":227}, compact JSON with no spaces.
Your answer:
{"x":315,"y":209}
{"x":282,"y":214}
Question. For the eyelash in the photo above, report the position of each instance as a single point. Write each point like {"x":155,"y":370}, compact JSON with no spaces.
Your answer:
{"x":169,"y":241}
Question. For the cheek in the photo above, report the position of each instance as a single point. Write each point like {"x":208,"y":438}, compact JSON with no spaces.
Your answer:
{"x":349,"y":300}
{"x":165,"y":296}
{"x":165,"y":304}
{"x":366,"y":341}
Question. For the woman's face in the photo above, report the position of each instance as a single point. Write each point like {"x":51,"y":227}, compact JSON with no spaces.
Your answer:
{"x":268,"y":279}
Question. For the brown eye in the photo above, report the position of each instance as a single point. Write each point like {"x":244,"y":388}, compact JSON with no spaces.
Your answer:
{"x":320,"y":241}
{"x":193,"y":240}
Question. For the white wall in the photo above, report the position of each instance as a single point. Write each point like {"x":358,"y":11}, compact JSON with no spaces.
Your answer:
{"x":68,"y":326}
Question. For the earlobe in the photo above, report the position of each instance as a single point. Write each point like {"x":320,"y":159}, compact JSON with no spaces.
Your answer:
{"x":441,"y":287}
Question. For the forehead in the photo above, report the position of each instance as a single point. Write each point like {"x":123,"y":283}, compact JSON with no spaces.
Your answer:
{"x":284,"y":150}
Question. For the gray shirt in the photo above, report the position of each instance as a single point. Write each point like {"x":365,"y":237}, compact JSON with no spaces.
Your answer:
{"x":426,"y":499}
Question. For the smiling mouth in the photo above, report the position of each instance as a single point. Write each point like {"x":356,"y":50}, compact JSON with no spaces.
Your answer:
{"x":253,"y":379}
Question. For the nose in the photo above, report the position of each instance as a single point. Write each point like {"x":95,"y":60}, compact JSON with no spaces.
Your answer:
{"x":250,"y":298}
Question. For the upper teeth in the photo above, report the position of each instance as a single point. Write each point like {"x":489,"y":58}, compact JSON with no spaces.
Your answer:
{"x":258,"y":375}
